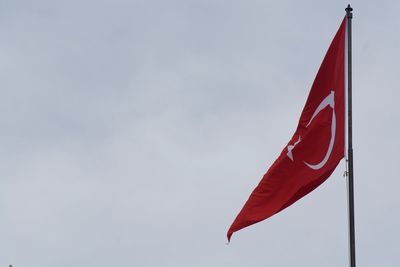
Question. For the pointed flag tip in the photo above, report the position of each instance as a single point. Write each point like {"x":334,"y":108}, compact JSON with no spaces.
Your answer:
{"x":229,"y":235}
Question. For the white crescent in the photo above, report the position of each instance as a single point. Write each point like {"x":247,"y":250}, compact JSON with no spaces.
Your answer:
{"x":328,"y":101}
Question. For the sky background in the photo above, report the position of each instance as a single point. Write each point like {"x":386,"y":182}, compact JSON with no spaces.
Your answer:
{"x":132,"y":132}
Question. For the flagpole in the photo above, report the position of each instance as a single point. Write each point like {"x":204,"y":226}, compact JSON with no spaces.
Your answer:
{"x":352,"y":241}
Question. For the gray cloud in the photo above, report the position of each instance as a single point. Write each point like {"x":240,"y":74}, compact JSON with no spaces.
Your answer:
{"x":133,"y":132}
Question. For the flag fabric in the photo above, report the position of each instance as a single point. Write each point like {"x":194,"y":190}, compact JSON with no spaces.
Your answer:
{"x":315,"y":149}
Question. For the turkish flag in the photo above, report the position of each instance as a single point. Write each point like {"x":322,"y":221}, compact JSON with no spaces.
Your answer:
{"x":315,"y":149}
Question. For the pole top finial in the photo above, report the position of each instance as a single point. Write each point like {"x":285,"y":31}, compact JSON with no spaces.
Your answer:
{"x":349,"y":9}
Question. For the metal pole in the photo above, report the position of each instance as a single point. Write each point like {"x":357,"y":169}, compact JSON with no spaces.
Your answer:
{"x":352,"y":241}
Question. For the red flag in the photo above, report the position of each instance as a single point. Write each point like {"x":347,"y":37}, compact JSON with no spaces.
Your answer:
{"x":315,"y":149}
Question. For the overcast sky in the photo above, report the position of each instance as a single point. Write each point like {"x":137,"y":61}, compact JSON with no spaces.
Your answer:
{"x":132,"y":132}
